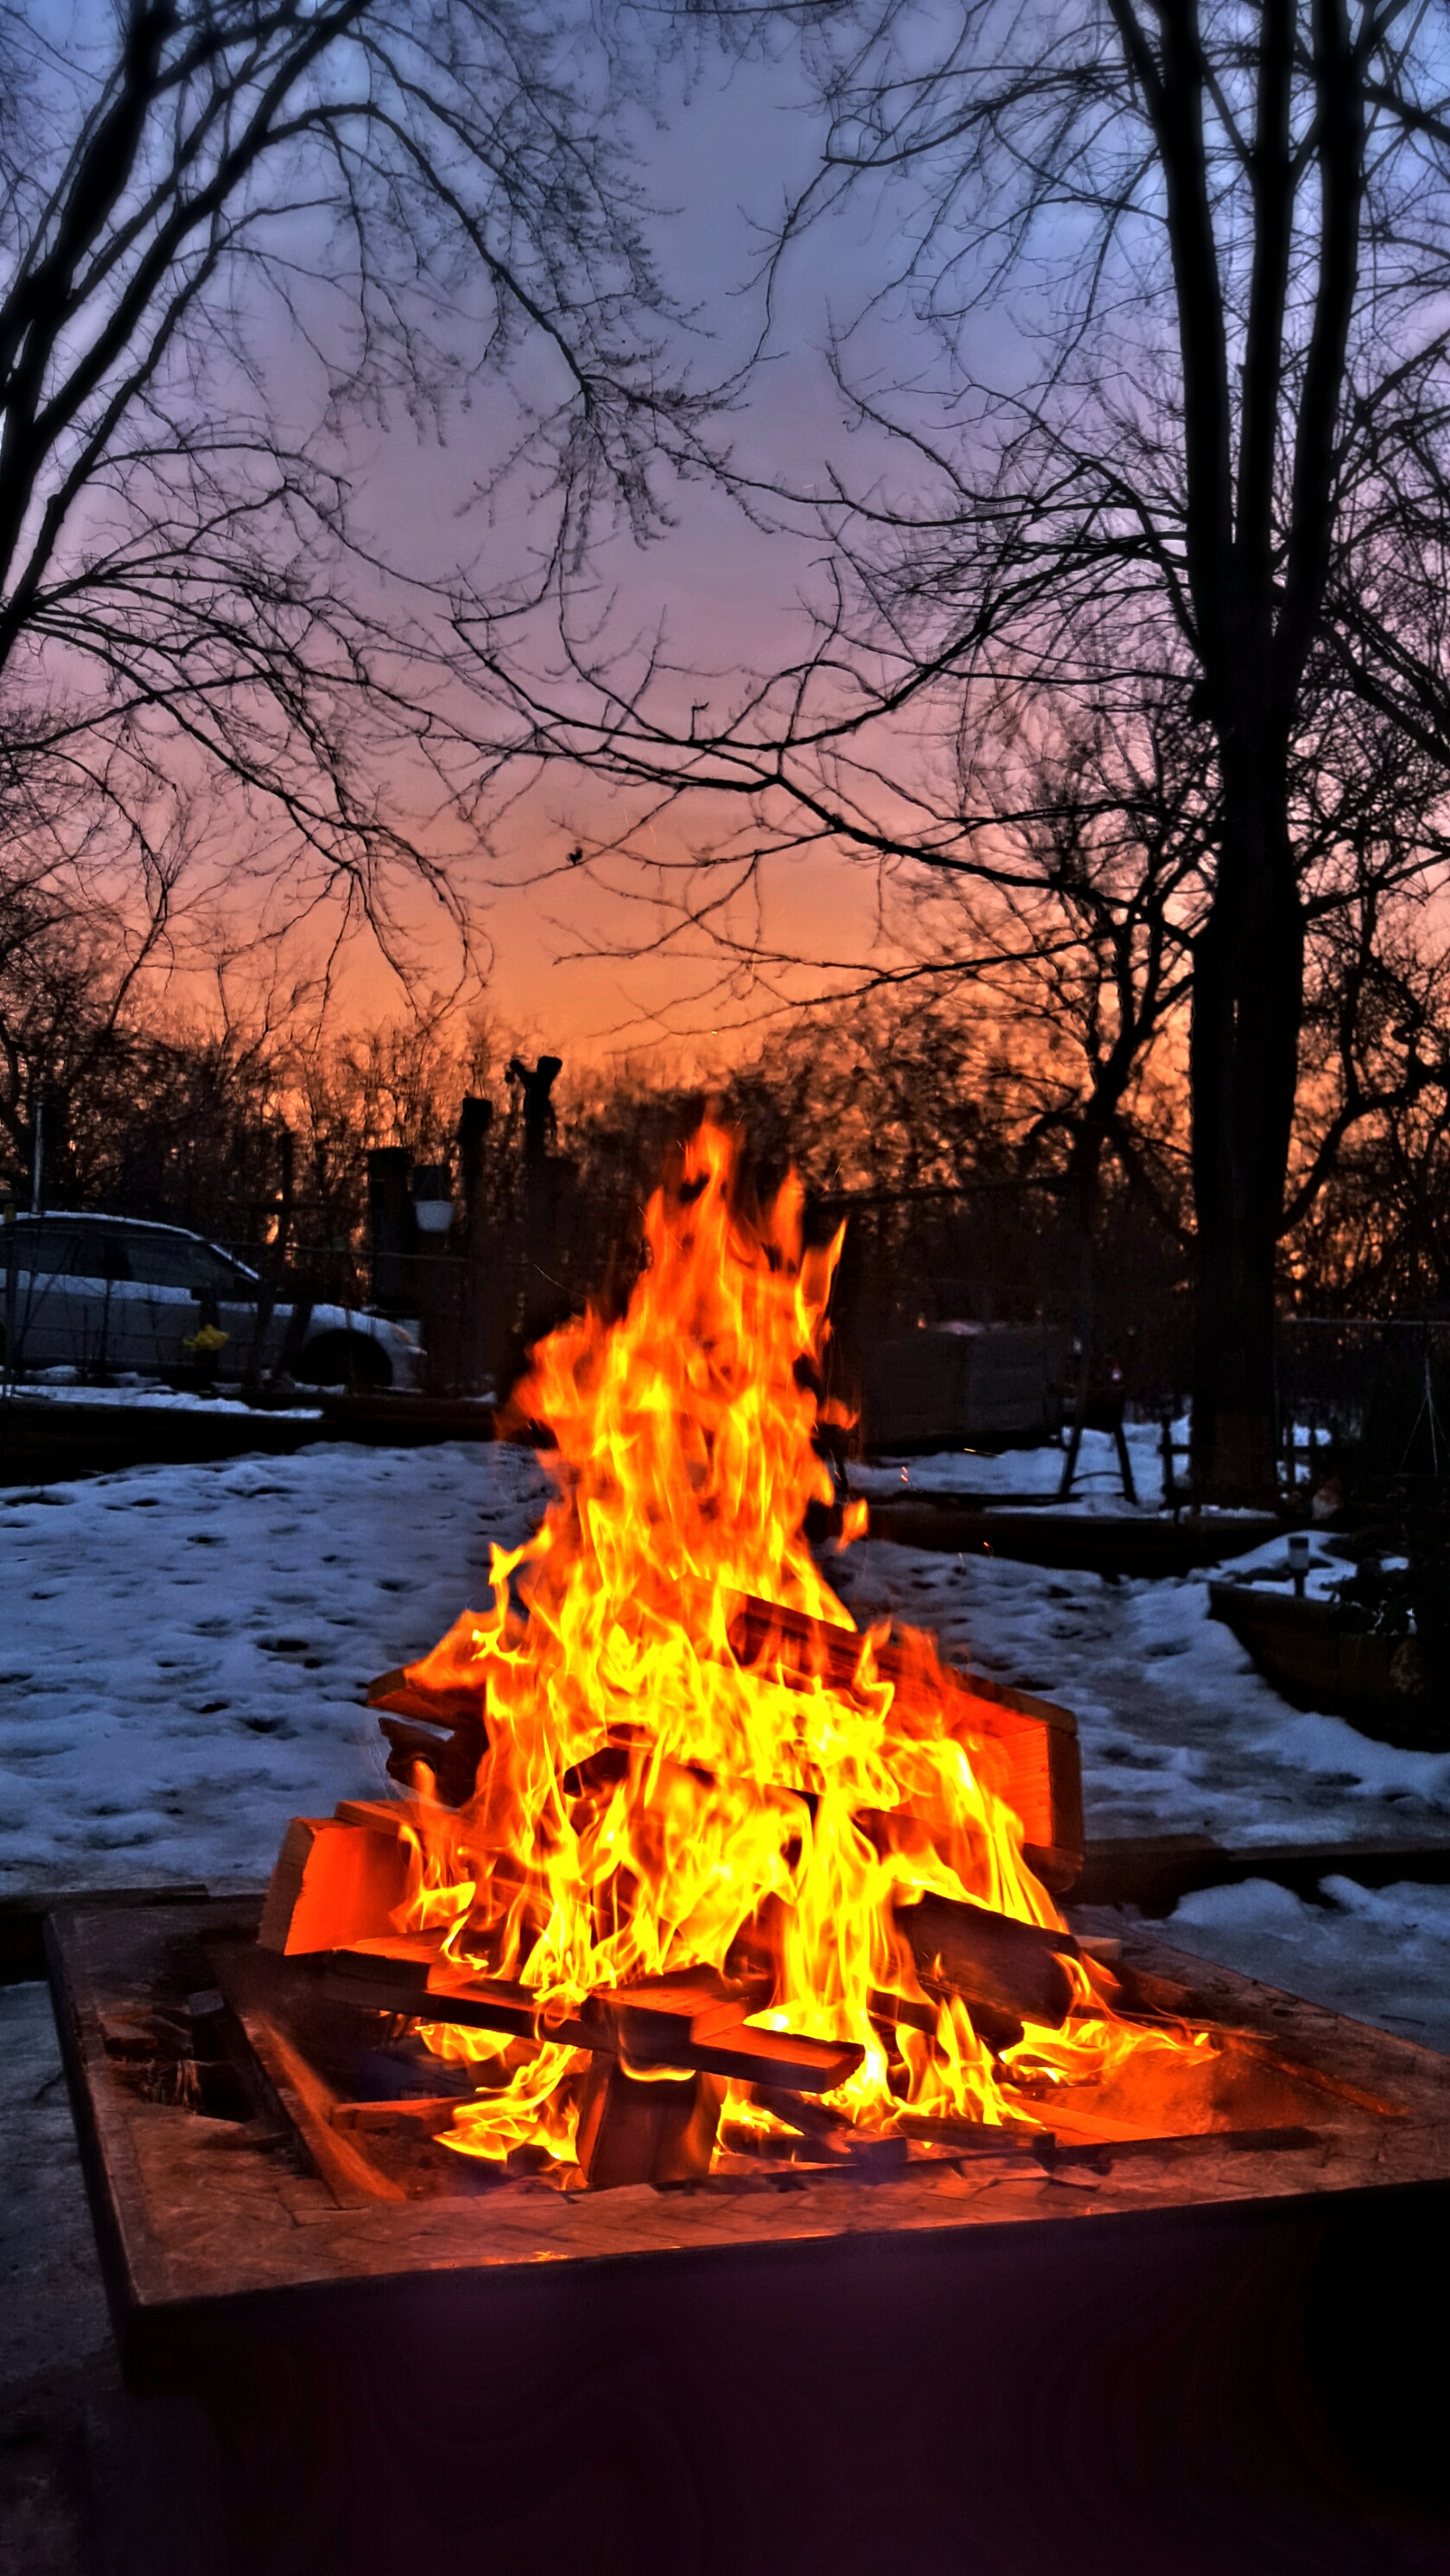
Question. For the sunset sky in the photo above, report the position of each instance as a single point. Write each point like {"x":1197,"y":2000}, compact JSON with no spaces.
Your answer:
{"x":725,"y":590}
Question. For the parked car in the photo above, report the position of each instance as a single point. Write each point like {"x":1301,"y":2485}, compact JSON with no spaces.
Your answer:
{"x":103,"y":1292}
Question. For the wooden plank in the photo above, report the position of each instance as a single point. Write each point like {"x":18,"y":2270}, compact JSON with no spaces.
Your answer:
{"x":355,"y":2183}
{"x":337,"y":1879}
{"x":1037,"y":1767}
{"x":453,"y":1758}
{"x":783,"y":2057}
{"x":424,"y":1989}
{"x":658,"y":2132}
{"x":444,"y":1704}
{"x":655,"y":2026}
{"x":428,"y":2113}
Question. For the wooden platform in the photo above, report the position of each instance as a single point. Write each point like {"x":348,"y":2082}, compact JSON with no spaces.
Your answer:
{"x":1192,"y":2356}
{"x":1152,"y":1871}
{"x":1112,"y":1543}
{"x":44,"y":1440}
{"x":1317,"y":1660}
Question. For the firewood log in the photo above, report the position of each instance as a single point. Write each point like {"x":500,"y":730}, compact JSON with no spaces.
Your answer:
{"x":633,"y":2132}
{"x":1007,"y":1969}
{"x":437,"y":1704}
{"x":441,"y":1724}
{"x":453,"y":1759}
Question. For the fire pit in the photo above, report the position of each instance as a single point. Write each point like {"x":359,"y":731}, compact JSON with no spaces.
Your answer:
{"x":1193,"y":2353}
{"x":681,"y":2128}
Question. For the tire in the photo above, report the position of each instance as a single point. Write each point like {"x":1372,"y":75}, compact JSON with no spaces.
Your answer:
{"x":345,"y":1359}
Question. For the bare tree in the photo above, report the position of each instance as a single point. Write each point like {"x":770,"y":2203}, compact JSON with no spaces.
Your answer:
{"x":1207,"y":249}
{"x":238,"y":239}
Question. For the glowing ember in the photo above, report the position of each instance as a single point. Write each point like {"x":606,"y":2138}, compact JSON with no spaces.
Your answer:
{"x":665,"y":1791}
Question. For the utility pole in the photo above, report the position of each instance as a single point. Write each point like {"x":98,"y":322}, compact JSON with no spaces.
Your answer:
{"x":37,"y":1155}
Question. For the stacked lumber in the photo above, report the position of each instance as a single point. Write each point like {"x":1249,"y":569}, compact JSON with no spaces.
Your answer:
{"x":1031,"y":1743}
{"x":661,"y":2050}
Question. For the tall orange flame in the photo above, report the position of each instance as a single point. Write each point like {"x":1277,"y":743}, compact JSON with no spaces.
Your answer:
{"x":648,"y":1801}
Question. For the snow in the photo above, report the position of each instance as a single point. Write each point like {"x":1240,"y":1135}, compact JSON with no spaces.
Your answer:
{"x":184,"y":1652}
{"x":1380,"y":1955}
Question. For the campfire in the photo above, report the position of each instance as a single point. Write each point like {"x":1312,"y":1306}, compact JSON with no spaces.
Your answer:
{"x":692,"y":2053}
{"x":688,"y":1873}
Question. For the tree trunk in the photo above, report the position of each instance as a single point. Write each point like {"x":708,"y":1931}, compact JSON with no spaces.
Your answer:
{"x":1248,"y":999}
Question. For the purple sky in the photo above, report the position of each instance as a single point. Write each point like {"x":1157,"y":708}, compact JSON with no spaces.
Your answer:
{"x":727,"y":592}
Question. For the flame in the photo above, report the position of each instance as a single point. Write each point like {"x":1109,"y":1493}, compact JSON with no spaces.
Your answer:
{"x":649,"y":1802}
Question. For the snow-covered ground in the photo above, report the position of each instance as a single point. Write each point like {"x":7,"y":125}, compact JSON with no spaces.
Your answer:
{"x":1379,"y":1954}
{"x":184,"y":1651}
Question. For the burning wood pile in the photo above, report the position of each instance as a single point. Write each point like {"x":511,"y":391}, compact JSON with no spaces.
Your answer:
{"x":688,"y":1872}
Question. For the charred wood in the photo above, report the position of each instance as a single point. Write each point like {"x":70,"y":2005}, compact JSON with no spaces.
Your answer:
{"x":453,"y":1759}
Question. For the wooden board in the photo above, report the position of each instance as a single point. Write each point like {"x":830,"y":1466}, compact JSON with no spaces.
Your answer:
{"x":1040,"y":1770}
{"x":1311,"y":1654}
